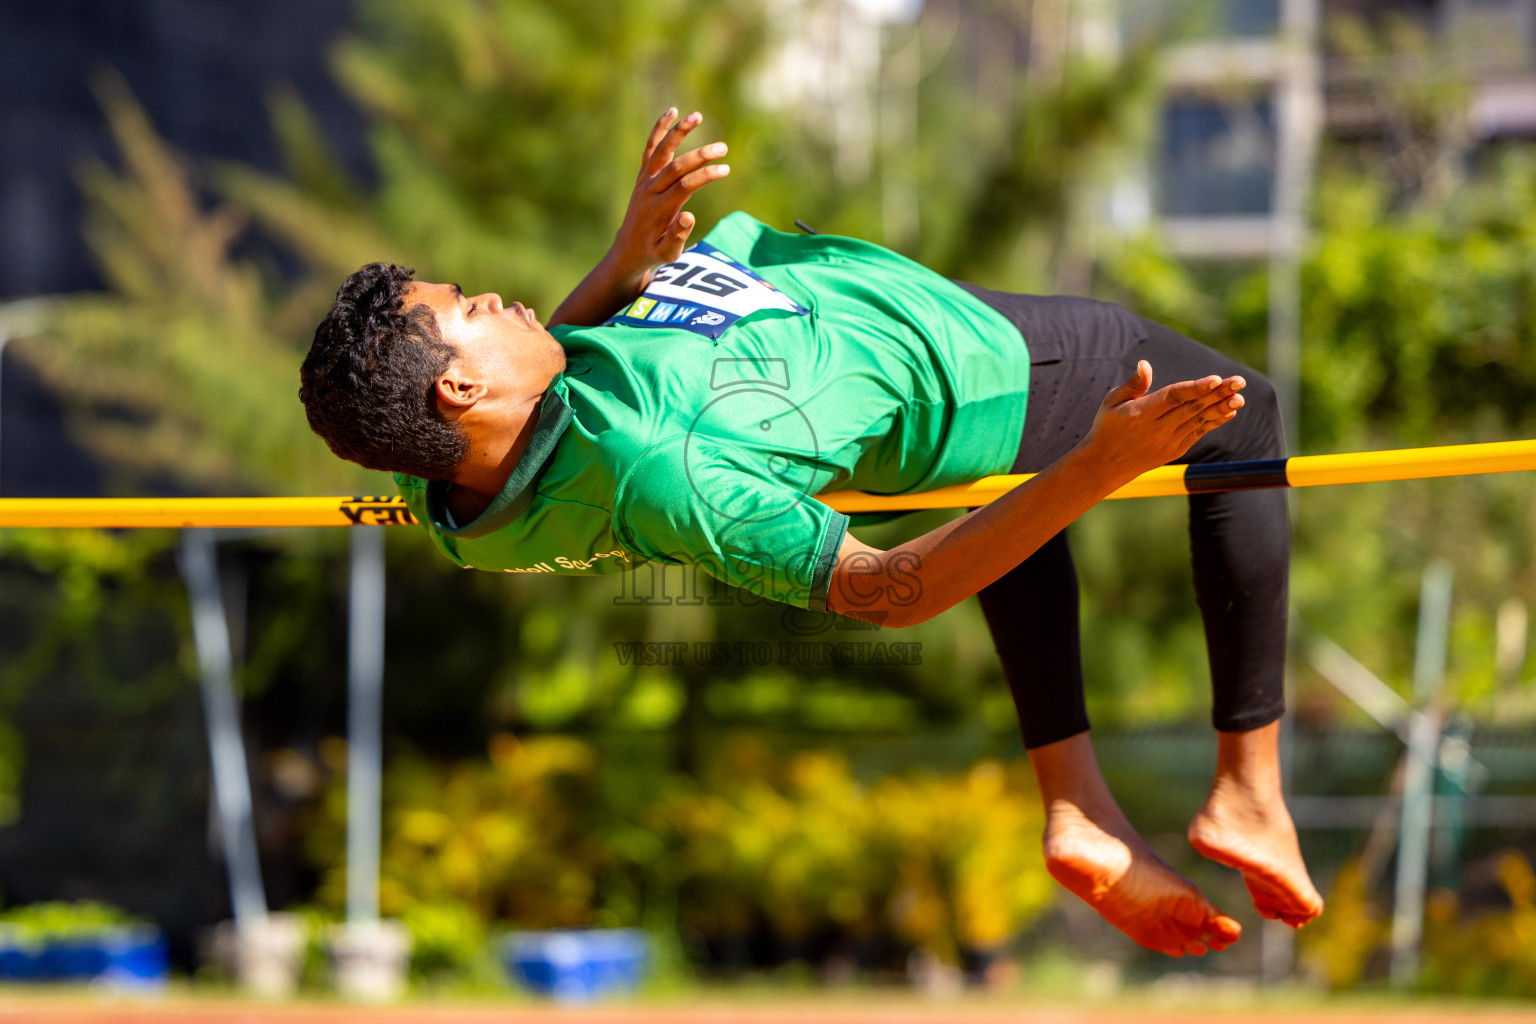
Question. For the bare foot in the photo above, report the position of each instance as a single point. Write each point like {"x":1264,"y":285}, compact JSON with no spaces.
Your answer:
{"x":1251,"y":830}
{"x":1101,"y":860}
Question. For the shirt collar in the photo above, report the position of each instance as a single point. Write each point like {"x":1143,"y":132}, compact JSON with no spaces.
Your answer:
{"x":517,"y":493}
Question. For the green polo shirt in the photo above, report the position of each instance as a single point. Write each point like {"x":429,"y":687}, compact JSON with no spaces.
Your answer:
{"x":761,"y":369}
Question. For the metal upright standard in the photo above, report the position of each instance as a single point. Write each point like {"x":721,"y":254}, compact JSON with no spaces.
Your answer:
{"x":226,"y":747}
{"x":365,"y":693}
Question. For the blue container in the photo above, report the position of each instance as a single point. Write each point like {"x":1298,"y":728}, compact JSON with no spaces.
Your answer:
{"x":136,"y":957}
{"x":20,"y":961}
{"x":577,"y":966}
{"x":133,"y":956}
{"x":78,"y":958}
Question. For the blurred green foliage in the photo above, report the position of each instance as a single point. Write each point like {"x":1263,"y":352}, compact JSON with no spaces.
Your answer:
{"x":1492,"y":953}
{"x":1335,"y":950}
{"x":941,"y":863}
{"x":1489,"y":952}
{"x":503,"y":137}
{"x":36,"y":923}
{"x":1417,"y":329}
{"x":541,"y":835}
{"x":183,"y":368}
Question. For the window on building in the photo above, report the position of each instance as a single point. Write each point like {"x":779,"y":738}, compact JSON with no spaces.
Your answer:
{"x":1252,"y":17}
{"x":1217,"y":156}
{"x":1188,"y":20}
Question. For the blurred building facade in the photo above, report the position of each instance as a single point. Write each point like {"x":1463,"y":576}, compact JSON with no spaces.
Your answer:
{"x":1224,"y":117}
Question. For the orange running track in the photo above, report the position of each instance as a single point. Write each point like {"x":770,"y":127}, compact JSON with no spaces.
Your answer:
{"x":50,"y":1012}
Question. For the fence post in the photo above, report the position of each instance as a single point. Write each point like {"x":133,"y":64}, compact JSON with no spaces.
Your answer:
{"x":1419,"y":774}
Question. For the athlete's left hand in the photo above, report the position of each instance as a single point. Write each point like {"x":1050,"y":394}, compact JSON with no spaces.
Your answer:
{"x":656,"y":227}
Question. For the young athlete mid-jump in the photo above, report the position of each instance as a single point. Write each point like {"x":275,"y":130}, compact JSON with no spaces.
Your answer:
{"x":686,"y":406}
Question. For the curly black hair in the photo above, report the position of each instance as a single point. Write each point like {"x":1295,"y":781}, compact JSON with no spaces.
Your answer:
{"x":367,"y":383}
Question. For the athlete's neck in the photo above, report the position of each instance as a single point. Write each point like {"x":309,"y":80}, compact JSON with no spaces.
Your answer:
{"x":494,"y":452}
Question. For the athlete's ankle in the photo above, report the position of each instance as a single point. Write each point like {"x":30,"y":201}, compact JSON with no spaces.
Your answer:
{"x":1070,"y":782}
{"x":1248,"y":763}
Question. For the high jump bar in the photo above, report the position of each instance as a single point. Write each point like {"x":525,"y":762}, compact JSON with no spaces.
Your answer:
{"x":1297,"y":471}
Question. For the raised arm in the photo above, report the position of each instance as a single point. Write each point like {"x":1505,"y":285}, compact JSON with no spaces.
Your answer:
{"x":1133,"y":432}
{"x":655,"y":228}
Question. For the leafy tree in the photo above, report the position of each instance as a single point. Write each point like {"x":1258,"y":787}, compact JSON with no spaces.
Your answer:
{"x":504,"y":133}
{"x":185,"y":366}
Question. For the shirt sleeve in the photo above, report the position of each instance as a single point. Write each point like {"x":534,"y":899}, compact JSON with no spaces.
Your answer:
{"x":704,"y":502}
{"x":414,"y":491}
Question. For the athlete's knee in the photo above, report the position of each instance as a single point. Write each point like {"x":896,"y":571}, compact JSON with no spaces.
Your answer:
{"x":1259,"y":395}
{"x":1262,"y":428}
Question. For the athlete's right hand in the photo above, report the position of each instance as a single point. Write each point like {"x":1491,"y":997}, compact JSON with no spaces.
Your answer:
{"x":1138,"y":429}
{"x":656,"y":227}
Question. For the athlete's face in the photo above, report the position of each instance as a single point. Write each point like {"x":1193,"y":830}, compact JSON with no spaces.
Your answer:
{"x":500,"y":343}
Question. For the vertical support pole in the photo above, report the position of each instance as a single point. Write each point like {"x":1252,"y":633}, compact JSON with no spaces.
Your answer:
{"x":365,"y":702}
{"x":1434,"y":632}
{"x":1298,"y":123}
{"x":1282,"y":361}
{"x":226,"y":747}
{"x":1419,"y":774}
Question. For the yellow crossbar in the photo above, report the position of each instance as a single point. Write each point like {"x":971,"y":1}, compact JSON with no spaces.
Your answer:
{"x":1300,"y":471}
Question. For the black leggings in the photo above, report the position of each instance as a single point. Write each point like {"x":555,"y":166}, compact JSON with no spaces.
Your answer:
{"x":1240,"y":540}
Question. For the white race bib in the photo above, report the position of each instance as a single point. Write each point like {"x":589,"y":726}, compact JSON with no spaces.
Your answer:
{"x":704,"y":291}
